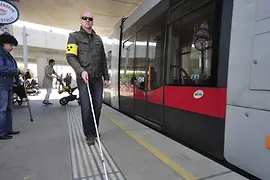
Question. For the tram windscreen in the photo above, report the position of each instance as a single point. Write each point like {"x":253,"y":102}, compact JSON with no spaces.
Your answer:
{"x":190,"y":48}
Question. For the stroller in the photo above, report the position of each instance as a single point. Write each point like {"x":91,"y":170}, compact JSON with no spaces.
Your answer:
{"x":32,"y":88}
{"x":65,"y":100}
{"x":18,"y":94}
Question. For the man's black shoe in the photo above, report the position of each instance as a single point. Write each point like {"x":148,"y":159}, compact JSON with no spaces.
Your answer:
{"x":90,"y":140}
{"x":4,"y":137}
{"x":13,"y":132}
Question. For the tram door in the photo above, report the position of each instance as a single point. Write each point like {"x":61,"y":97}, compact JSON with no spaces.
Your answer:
{"x":140,"y":64}
{"x":148,"y":91}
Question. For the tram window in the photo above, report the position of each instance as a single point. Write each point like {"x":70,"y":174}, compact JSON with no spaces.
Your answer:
{"x":197,"y":3}
{"x":181,"y":10}
{"x":184,"y":6}
{"x":127,"y":62}
{"x":174,"y":2}
{"x":109,"y":63}
{"x":155,"y":53}
{"x":189,"y":50}
{"x":140,"y":54}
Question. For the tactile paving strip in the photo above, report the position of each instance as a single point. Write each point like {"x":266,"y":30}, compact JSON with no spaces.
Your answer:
{"x":86,"y":160}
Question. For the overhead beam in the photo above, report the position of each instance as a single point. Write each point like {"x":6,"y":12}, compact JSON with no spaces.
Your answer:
{"x":124,"y":2}
{"x":106,"y":15}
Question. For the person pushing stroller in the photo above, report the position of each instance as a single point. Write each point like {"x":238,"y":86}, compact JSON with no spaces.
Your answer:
{"x":48,"y":79}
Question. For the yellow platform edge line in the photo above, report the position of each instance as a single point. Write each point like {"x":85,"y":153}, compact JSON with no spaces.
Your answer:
{"x":176,"y":167}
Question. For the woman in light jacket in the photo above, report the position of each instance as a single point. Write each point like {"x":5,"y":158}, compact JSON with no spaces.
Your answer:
{"x":48,"y":79}
{"x":8,"y":71}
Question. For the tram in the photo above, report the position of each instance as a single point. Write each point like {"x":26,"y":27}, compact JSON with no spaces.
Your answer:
{"x":176,"y":65}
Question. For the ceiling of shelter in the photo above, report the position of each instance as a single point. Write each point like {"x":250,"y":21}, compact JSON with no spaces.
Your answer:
{"x":65,"y":13}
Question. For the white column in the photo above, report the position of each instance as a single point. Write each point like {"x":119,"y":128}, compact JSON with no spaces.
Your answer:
{"x":25,"y":49}
{"x":41,"y":63}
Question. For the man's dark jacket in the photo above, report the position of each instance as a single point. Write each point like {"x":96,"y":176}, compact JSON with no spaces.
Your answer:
{"x":85,"y":52}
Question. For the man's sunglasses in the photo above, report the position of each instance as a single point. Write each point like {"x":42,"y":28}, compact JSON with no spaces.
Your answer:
{"x":85,"y":18}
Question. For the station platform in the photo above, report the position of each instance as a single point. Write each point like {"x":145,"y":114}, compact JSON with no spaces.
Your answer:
{"x":53,"y":147}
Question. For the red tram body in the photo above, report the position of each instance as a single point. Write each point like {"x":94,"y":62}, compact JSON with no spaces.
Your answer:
{"x":172,"y":70}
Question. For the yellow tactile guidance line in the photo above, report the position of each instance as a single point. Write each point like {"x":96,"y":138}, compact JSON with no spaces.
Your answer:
{"x":176,"y":167}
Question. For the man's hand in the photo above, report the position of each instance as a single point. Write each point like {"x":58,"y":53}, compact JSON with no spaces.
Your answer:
{"x":106,"y":83}
{"x":84,"y":75}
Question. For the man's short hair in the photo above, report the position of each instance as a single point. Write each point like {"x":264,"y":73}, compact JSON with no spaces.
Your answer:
{"x":51,"y":61}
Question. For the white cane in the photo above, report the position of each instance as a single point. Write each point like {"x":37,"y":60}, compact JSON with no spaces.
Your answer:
{"x":100,"y":149}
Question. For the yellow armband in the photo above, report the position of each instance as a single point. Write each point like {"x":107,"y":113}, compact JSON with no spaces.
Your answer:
{"x":72,"y":49}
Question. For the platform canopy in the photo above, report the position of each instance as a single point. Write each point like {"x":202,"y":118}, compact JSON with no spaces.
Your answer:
{"x":65,"y":13}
